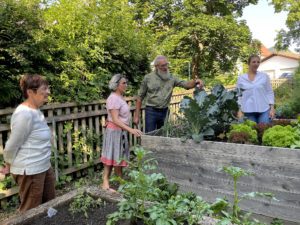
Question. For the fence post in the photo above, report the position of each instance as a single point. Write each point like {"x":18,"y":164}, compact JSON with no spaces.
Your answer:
{"x":54,"y":147}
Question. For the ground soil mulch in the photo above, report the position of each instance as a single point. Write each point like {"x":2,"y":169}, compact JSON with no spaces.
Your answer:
{"x":64,"y":216}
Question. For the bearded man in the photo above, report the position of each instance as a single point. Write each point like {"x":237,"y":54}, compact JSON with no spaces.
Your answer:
{"x":157,"y":88}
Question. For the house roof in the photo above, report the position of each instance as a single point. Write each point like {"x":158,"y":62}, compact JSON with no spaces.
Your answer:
{"x":289,"y":55}
{"x":264,"y":52}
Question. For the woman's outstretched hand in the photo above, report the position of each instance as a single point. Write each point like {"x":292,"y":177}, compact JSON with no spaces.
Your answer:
{"x":5,"y":170}
{"x":136,"y":132}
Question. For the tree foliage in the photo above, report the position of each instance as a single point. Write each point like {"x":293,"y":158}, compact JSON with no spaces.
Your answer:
{"x":18,"y":49}
{"x":76,"y":44}
{"x":79,"y":44}
{"x":284,"y":37}
{"x":205,"y":33}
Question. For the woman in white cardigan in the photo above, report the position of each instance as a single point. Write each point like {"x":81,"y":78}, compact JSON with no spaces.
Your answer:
{"x":28,"y":149}
{"x":257,"y":97}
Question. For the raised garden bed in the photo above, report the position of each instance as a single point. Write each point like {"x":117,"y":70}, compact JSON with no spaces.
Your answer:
{"x":195,"y":167}
{"x":96,"y":215}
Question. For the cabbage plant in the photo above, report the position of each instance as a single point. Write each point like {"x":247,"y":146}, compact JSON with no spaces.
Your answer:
{"x":209,"y":114}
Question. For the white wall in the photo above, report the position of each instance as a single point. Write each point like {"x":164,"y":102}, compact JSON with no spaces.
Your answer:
{"x":277,"y":65}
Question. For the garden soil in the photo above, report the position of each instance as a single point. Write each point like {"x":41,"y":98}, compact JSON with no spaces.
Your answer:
{"x":96,"y":216}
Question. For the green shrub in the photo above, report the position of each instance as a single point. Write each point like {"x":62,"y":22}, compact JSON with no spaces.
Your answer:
{"x":286,"y":111}
{"x":250,"y":123}
{"x":279,"y":136}
{"x":245,"y":128}
{"x":295,"y":93}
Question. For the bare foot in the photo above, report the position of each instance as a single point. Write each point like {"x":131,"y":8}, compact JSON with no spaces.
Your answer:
{"x":108,"y":189}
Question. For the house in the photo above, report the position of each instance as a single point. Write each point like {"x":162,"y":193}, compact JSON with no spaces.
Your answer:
{"x":277,"y":63}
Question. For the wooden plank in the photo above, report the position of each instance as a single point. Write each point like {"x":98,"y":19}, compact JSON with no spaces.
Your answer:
{"x":261,"y":153}
{"x":54,"y":148}
{"x":97,"y":130}
{"x":76,"y":127}
{"x":91,"y":129}
{"x":262,"y":207}
{"x":226,"y":184}
{"x":216,"y":161}
{"x":76,"y":116}
{"x":65,"y":105}
{"x":4,"y":127}
{"x":60,"y":135}
{"x":283,"y":179}
{"x":81,"y":167}
{"x":83,"y":130}
{"x":7,"y":193}
{"x":7,"y":111}
{"x":269,"y":182}
{"x":69,"y":144}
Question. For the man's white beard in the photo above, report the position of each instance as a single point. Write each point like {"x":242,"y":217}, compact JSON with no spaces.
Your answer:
{"x":162,"y":73}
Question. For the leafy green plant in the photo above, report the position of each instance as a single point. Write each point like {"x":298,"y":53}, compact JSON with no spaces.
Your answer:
{"x":209,"y":114}
{"x":149,"y":197}
{"x":245,"y":128}
{"x":175,"y":128}
{"x":179,"y":209}
{"x":84,"y":142}
{"x":296,"y":144}
{"x":7,"y":183}
{"x":82,"y":203}
{"x":11,"y":204}
{"x":237,"y":216}
{"x":279,"y":136}
{"x":63,"y":180}
{"x":140,"y":187}
{"x":277,"y":221}
{"x":286,"y":111}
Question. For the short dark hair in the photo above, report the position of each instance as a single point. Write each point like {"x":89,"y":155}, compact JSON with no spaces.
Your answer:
{"x":31,"y":82}
{"x":251,"y":57}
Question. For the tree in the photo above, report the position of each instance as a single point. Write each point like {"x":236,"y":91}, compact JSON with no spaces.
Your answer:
{"x":98,"y":38}
{"x":19,"y":53}
{"x":207,"y":34}
{"x":76,"y":44}
{"x":285,"y":38}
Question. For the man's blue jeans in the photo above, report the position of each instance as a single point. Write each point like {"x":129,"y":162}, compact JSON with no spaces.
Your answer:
{"x":155,"y":118}
{"x":257,"y":117}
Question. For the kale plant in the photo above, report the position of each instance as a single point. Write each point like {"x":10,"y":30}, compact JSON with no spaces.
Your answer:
{"x":209,"y":114}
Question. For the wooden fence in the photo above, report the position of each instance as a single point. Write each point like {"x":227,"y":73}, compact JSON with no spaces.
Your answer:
{"x":77,"y":131}
{"x":279,"y":82}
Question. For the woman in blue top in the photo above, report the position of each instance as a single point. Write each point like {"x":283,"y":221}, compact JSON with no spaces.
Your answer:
{"x":257,"y":97}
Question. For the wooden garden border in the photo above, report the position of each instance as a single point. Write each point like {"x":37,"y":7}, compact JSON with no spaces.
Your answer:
{"x":196,"y":167}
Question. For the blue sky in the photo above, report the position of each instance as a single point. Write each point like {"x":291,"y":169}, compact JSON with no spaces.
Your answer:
{"x":264,"y":22}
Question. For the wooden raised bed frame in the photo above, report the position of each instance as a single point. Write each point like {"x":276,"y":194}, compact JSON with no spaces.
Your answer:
{"x":195,"y":167}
